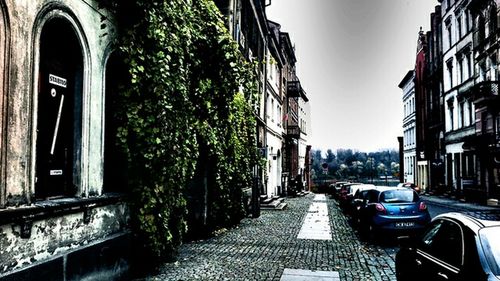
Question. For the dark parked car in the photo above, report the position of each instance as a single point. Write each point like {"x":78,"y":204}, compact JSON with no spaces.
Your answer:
{"x":393,"y":210}
{"x":353,"y":198}
{"x":345,"y":190}
{"x":411,"y":185}
{"x":455,"y":246}
{"x":361,"y":197}
{"x":334,"y":189}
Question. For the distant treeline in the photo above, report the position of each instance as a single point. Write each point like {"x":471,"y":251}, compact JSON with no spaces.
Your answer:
{"x":345,"y":164}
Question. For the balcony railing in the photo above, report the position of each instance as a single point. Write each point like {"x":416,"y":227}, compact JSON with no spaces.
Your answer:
{"x":485,"y":90}
{"x":485,"y":141}
{"x":293,"y":131}
{"x":293,"y":88}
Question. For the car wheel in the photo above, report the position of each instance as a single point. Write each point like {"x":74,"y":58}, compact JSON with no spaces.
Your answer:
{"x":401,"y":273}
{"x":364,"y":229}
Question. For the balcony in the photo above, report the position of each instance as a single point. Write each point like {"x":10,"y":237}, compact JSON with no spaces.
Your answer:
{"x":485,"y":142}
{"x":481,"y":41}
{"x":478,"y":39}
{"x":485,"y":91}
{"x":293,"y":131}
{"x":293,"y":88}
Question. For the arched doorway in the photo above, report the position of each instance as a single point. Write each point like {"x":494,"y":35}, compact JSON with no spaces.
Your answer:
{"x":115,"y":160}
{"x":59,"y":115}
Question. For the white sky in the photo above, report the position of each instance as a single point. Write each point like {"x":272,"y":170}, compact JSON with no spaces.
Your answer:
{"x":351,"y":55}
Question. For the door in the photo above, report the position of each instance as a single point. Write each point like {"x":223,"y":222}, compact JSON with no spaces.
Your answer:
{"x":59,"y":97}
{"x":440,"y":252}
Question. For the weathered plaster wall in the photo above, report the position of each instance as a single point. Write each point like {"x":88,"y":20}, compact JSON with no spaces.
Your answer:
{"x":58,"y":235}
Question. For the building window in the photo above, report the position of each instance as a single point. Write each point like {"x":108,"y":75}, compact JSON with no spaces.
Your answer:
{"x":493,"y":68}
{"x":482,"y":71}
{"x":450,"y":114}
{"x":484,"y":122}
{"x":468,"y":66}
{"x":493,"y":21}
{"x":278,"y":118}
{"x":480,"y":28}
{"x":471,"y":112}
{"x":278,"y":75}
{"x":460,"y":70}
{"x":272,"y":110}
{"x":59,"y":116}
{"x":449,"y":64}
{"x":467,"y":21}
{"x":449,"y":29}
{"x":459,"y":27}
{"x":115,"y":161}
{"x":461,"y":114}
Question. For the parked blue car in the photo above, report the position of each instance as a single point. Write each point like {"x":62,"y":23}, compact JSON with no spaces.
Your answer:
{"x":393,"y":210}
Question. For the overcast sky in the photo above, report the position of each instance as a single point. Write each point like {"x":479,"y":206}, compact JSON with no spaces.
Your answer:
{"x":351,"y":55}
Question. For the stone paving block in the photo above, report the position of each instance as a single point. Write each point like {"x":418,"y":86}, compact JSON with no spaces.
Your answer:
{"x":261,"y":249}
{"x":311,"y":273}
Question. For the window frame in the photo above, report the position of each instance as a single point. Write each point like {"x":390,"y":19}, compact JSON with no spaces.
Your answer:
{"x":424,"y":247}
{"x":46,"y":14}
{"x":4,"y":64}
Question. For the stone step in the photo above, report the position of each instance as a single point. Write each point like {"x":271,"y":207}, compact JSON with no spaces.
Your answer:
{"x":266,"y":201}
{"x":280,"y":206}
{"x":272,"y":202}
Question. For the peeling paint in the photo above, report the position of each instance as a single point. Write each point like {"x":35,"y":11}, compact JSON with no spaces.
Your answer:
{"x":58,"y":235}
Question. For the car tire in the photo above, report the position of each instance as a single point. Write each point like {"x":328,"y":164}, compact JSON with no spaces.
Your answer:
{"x":364,"y":229}
{"x":401,"y":273}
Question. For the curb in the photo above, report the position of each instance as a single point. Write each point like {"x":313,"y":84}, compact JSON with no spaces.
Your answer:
{"x":456,"y":205}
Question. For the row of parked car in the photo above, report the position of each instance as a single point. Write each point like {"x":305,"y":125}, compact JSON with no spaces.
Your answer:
{"x":376,"y":209}
{"x":453,"y":246}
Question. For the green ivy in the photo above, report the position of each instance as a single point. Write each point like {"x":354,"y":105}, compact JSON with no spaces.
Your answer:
{"x":189,"y":89}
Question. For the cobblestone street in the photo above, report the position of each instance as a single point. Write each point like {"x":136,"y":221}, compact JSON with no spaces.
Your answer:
{"x":261,"y":249}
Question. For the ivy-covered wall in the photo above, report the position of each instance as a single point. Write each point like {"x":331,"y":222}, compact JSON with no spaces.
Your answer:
{"x":185,"y":119}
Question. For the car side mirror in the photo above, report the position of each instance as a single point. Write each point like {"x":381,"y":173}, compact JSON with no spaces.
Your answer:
{"x":407,"y":242}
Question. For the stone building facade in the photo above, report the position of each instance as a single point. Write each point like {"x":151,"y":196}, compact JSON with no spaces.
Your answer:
{"x":58,"y":218}
{"x":407,"y":84}
{"x":283,"y":110}
{"x":461,"y":119}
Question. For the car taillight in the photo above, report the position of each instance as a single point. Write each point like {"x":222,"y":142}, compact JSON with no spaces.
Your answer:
{"x":422,"y":206}
{"x":380,"y":208}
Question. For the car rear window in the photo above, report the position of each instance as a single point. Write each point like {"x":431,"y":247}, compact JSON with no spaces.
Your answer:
{"x":398,"y":196}
{"x":491,"y":246}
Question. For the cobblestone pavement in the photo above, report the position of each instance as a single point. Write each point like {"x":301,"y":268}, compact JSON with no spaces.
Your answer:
{"x":260,"y":249}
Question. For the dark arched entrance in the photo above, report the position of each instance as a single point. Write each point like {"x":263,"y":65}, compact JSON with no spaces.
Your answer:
{"x":59,"y":115}
{"x":115,"y":160}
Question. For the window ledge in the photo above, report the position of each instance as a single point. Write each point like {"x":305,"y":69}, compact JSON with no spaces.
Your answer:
{"x":49,"y":208}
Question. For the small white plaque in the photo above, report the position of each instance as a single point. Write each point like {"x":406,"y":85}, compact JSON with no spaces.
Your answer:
{"x":56,"y":172}
{"x":58,"y":81}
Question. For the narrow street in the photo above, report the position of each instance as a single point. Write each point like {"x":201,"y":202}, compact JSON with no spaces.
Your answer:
{"x":263,"y":248}
{"x":435,"y":210}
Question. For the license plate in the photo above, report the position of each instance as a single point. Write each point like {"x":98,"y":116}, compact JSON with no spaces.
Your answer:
{"x":405,"y":224}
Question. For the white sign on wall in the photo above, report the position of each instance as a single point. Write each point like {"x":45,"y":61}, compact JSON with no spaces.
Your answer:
{"x":58,"y":81}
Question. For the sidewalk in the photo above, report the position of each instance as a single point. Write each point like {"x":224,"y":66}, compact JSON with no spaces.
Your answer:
{"x":456,"y":204}
{"x":268,"y":248}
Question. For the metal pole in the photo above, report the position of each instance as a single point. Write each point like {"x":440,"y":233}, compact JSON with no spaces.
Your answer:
{"x":255,"y":197}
